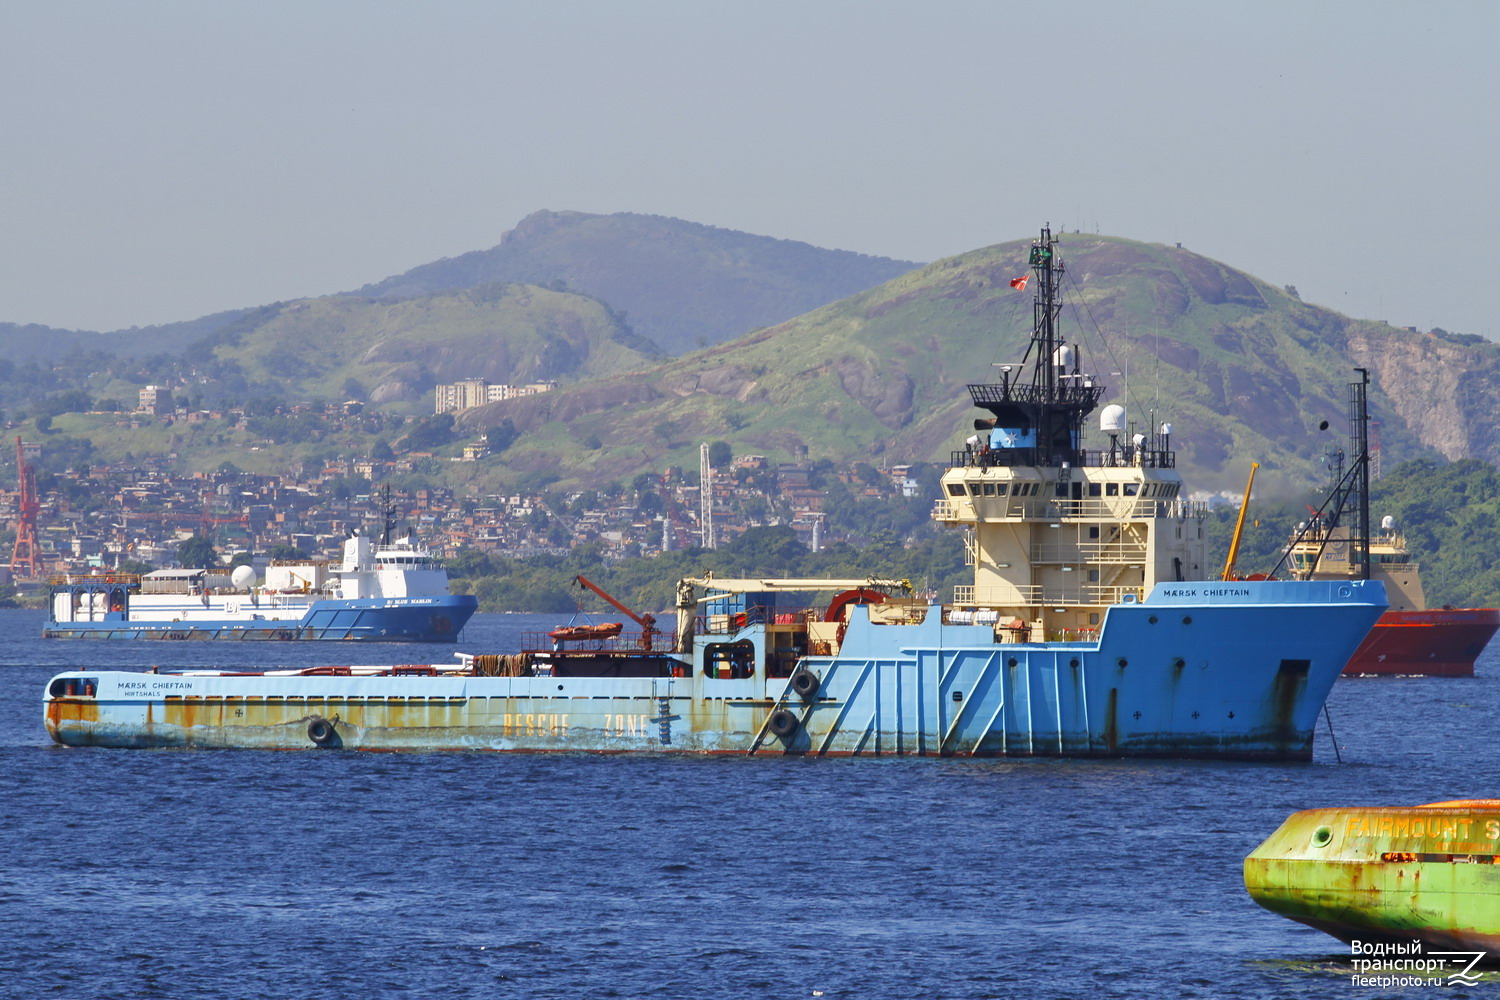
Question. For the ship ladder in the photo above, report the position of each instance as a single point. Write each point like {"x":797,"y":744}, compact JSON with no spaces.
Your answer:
{"x":664,"y":717}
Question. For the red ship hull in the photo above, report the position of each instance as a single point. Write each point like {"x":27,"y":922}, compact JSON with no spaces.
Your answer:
{"x":1443,"y":642}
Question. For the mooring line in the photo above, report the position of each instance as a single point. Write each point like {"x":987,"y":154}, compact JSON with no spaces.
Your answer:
{"x":1329,"y":718}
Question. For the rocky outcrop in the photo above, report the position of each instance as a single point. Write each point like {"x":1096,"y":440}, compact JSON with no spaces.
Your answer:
{"x":885,"y":391}
{"x":1447,"y":393}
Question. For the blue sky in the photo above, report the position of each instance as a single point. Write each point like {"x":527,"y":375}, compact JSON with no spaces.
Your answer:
{"x":163,"y":160}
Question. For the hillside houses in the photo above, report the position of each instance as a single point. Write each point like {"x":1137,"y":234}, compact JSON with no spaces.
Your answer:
{"x":104,"y":516}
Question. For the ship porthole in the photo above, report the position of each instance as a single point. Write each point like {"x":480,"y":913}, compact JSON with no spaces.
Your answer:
{"x":783,"y":723}
{"x":1152,"y":619}
{"x":1123,"y":662}
{"x":321,"y":732}
{"x":1322,"y":836}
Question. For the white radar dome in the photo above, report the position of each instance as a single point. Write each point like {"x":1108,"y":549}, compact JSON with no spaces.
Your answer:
{"x":1166,"y":429}
{"x":243,"y":577}
{"x":1062,"y":357}
{"x":1388,"y":523}
{"x":1112,"y":418}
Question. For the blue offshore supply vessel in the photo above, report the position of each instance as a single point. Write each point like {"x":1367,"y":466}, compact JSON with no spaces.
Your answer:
{"x":390,"y":591}
{"x":1088,"y":630}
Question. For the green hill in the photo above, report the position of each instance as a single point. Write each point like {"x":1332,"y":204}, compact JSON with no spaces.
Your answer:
{"x":395,"y":352}
{"x":1242,"y":370}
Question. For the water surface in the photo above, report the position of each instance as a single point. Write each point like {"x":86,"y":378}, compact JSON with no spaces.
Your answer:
{"x":238,"y":874}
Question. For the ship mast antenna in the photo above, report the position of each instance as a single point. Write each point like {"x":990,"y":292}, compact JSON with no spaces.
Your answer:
{"x":1350,"y":496}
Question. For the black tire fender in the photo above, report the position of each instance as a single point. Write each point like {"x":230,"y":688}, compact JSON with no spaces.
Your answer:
{"x":321,"y":732}
{"x":805,"y":683}
{"x":783,"y":722}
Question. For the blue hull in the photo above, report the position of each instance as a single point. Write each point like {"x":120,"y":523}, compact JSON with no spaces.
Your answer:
{"x":1174,"y":677}
{"x":1219,"y":671}
{"x":411,"y":619}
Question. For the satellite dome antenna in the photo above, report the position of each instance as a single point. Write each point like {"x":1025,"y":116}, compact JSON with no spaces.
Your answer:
{"x":1112,"y":422}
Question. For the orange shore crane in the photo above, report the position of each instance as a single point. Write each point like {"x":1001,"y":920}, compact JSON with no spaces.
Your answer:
{"x":23,"y":555}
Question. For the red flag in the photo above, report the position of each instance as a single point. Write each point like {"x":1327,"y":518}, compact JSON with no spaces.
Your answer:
{"x":1019,"y":284}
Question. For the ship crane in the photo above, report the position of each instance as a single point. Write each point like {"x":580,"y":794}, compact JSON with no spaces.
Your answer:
{"x":647,"y":622}
{"x":1239,"y":528}
{"x":23,"y":555}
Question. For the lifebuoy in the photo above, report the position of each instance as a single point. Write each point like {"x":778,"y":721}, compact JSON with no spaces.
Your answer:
{"x":321,"y":732}
{"x":805,"y":683}
{"x":783,"y":722}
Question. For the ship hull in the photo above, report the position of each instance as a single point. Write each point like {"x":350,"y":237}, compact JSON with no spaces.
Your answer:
{"x":1442,"y":642}
{"x":1428,"y":874}
{"x":1198,"y":670}
{"x":407,"y":619}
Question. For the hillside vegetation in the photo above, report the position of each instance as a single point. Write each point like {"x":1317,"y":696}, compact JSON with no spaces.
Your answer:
{"x":395,"y":352}
{"x":1448,"y":511}
{"x":1242,"y":371}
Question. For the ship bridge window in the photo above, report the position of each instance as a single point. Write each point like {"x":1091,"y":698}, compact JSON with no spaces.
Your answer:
{"x":955,"y":489}
{"x":1132,"y":489}
{"x":1093,"y":489}
{"x":1000,"y":489}
{"x":974,"y":489}
{"x":729,"y":660}
{"x":989,"y":489}
{"x":1111,"y":489}
{"x":74,"y":687}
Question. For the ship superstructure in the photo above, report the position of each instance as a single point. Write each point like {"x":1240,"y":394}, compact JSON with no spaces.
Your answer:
{"x":1057,"y":532}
